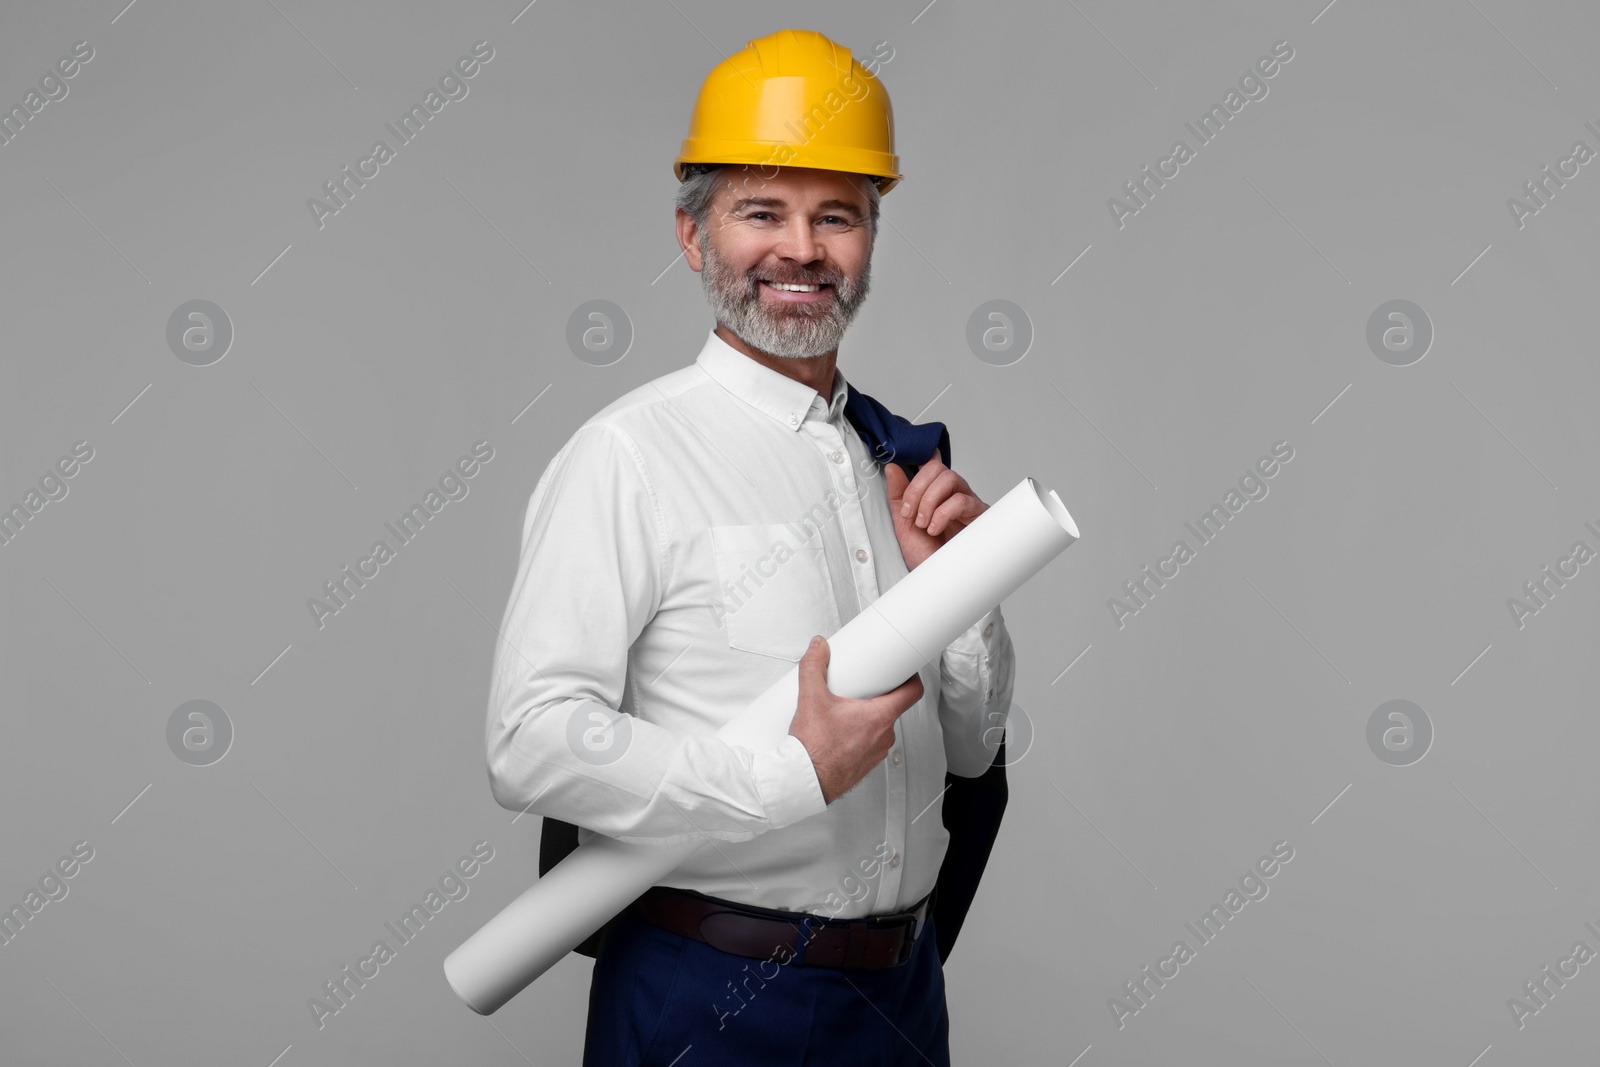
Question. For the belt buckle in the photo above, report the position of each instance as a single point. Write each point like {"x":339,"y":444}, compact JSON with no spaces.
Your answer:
{"x":919,"y":917}
{"x":908,"y":944}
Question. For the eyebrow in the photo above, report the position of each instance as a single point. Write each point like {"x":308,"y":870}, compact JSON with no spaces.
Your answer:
{"x":776,"y":202}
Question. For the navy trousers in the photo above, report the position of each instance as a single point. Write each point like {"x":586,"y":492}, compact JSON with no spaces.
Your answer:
{"x":658,"y":999}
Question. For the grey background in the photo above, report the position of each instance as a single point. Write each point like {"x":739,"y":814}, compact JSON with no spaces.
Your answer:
{"x":1228,"y":314}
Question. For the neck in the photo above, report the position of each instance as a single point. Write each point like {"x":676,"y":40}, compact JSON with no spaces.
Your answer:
{"x":815,"y":371}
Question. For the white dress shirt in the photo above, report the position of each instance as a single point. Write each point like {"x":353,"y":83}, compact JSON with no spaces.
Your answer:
{"x":678,"y":554}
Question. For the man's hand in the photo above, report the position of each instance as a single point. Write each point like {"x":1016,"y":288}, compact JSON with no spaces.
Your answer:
{"x":846,"y":738}
{"x":929,"y":509}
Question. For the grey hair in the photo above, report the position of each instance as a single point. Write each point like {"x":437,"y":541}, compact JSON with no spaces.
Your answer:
{"x":700,"y":188}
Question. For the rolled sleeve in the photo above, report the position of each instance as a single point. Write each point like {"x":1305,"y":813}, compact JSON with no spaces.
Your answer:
{"x":976,"y":675}
{"x":589,"y":579}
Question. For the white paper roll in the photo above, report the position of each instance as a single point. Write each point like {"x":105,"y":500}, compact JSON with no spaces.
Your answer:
{"x":894,"y":637}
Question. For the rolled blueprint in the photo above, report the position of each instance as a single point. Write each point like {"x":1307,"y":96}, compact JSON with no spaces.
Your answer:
{"x":890,"y":640}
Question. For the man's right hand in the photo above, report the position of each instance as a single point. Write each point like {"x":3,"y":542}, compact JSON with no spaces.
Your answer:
{"x":846,"y":738}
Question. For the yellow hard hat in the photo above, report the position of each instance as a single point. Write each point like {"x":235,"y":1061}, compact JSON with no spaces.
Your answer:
{"x":793,"y":99}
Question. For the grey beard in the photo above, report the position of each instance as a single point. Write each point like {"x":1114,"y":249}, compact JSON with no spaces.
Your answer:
{"x":798,"y":333}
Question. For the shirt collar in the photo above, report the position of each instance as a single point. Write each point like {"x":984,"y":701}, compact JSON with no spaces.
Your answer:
{"x":778,"y":396}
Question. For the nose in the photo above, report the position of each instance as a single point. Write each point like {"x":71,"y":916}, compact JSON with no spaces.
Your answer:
{"x":798,"y":242}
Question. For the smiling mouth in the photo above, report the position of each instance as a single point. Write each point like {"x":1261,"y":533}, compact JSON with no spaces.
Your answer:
{"x":795,"y":287}
{"x":797,"y":292}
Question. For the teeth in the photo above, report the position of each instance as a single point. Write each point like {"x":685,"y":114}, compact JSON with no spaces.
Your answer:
{"x":786,"y":287}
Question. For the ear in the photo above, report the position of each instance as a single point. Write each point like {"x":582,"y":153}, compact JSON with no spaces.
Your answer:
{"x":688,"y":239}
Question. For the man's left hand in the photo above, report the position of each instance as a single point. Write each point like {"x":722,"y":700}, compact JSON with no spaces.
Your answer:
{"x":940,"y":505}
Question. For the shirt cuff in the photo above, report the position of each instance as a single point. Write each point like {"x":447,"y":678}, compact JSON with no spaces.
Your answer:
{"x":787,"y":782}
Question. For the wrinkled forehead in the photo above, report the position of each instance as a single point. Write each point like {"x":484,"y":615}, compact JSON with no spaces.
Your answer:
{"x":793,"y":187}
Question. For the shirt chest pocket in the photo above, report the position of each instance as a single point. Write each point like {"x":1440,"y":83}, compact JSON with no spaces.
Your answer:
{"x":775,"y":594}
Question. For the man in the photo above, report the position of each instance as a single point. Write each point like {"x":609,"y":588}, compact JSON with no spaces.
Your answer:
{"x":678,"y":554}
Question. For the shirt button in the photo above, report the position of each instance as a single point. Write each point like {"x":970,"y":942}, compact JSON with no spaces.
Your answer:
{"x":989,"y":629}
{"x":861,"y":555}
{"x":894,"y":860}
{"x":837,"y":456}
{"x":894,"y":758}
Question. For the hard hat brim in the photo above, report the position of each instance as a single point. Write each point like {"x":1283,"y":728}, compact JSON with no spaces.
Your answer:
{"x":885,"y":176}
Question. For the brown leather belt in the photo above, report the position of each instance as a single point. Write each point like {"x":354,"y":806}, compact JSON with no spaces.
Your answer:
{"x":761,"y":933}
